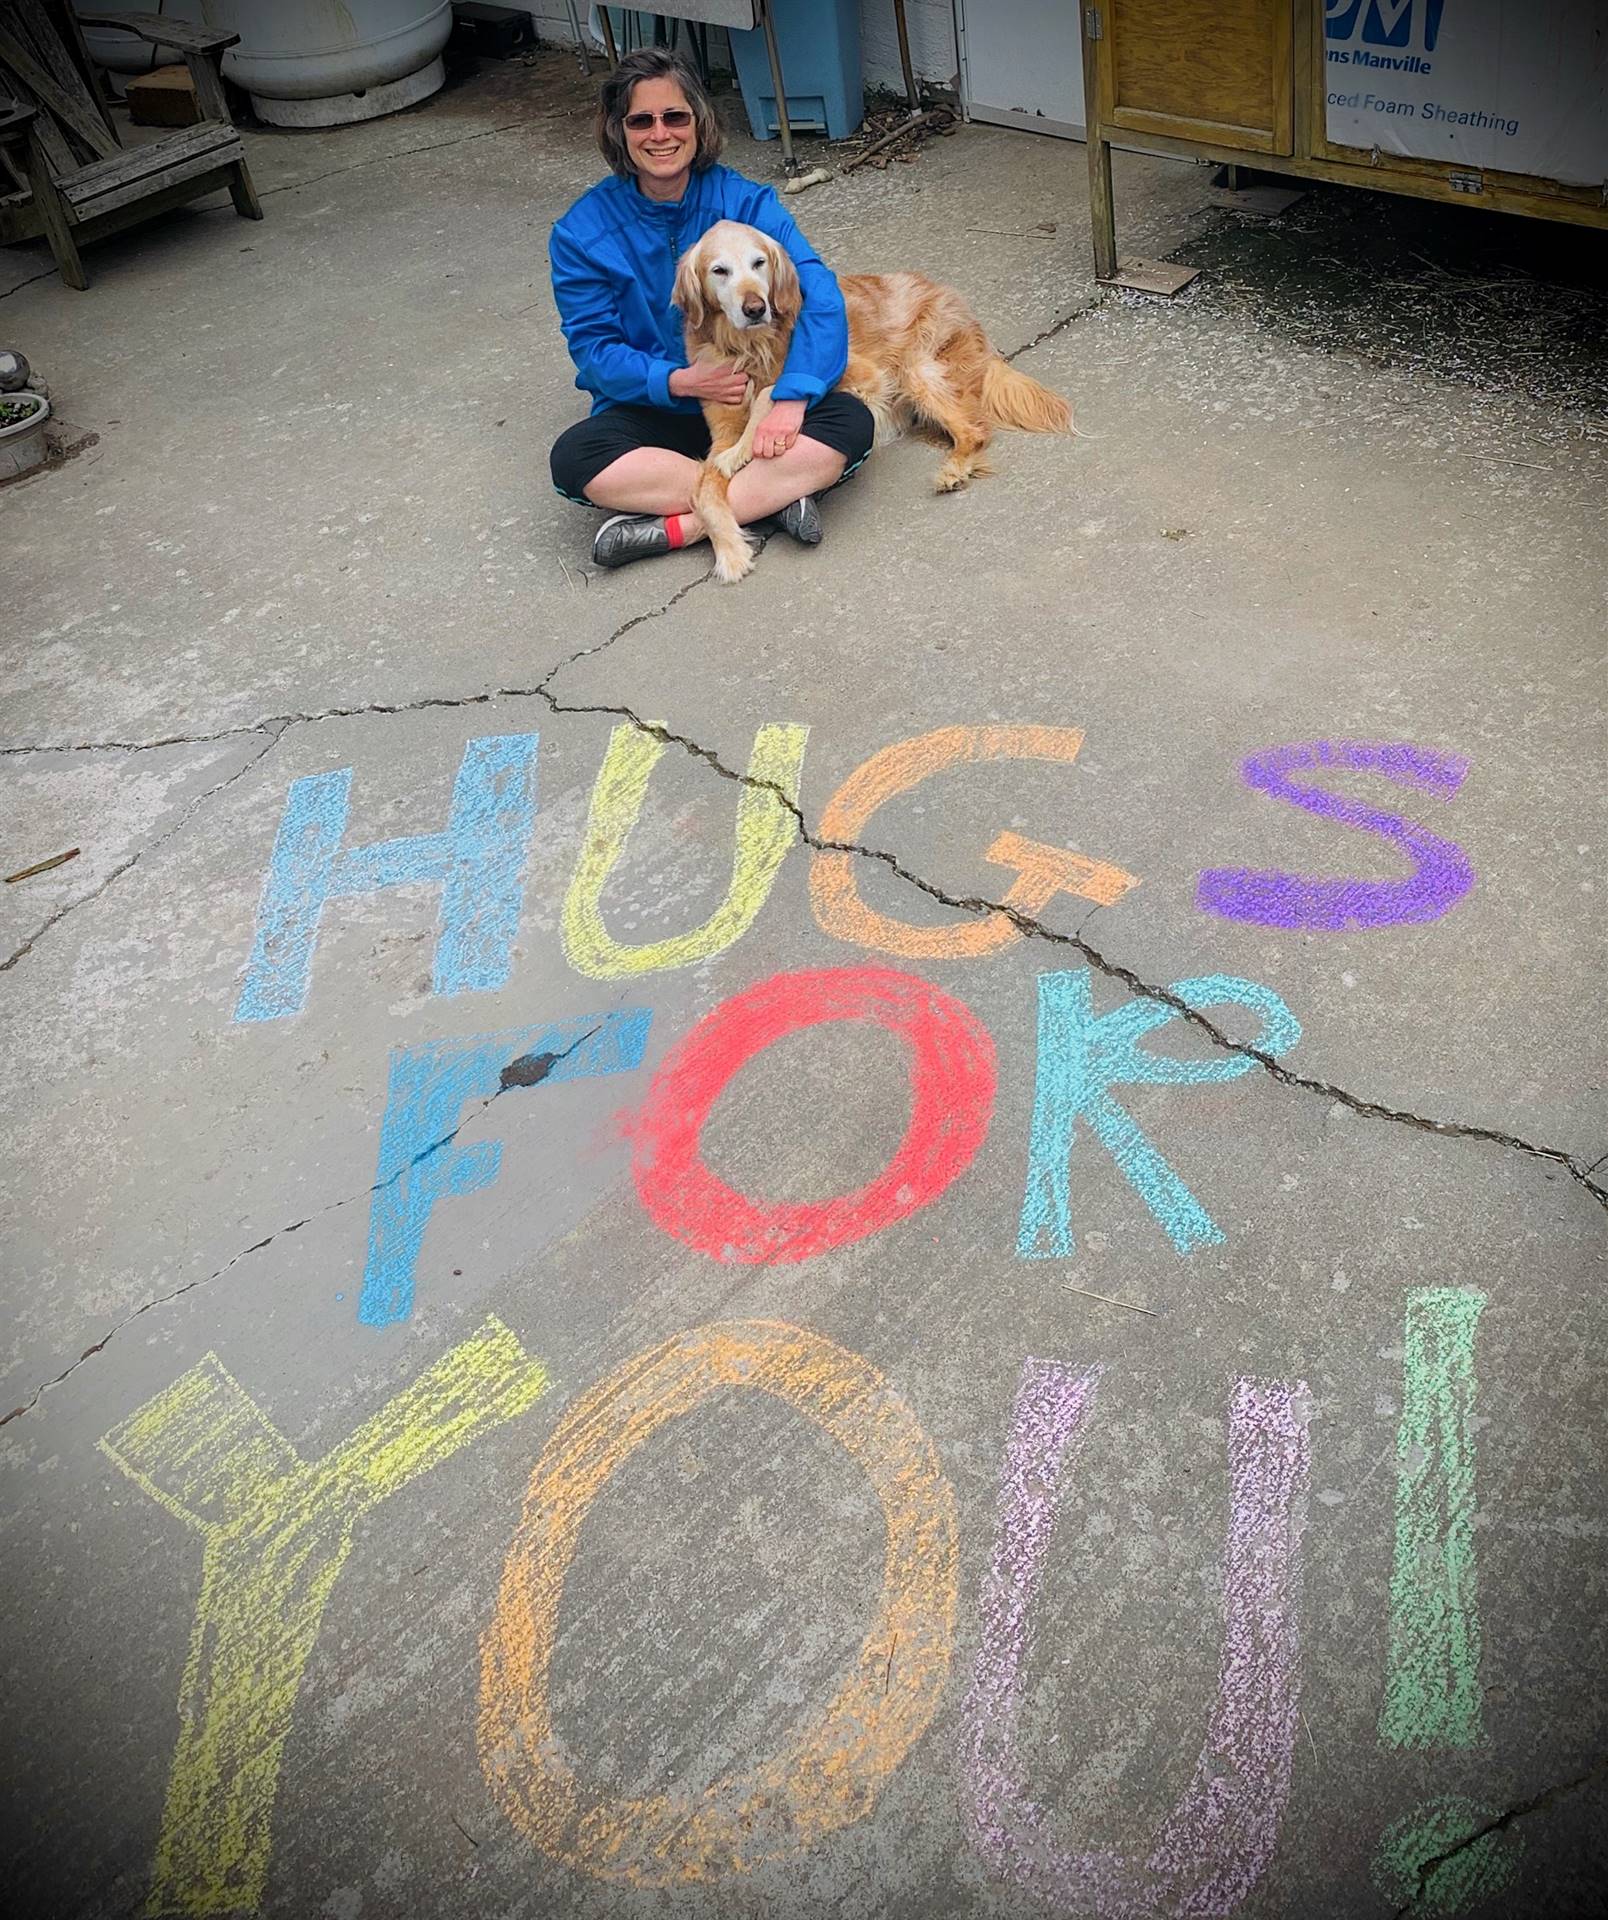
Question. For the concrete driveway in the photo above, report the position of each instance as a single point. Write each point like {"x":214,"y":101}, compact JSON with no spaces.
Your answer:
{"x":922,"y":1238}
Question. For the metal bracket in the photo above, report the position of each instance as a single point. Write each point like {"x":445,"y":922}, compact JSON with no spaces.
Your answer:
{"x":1466,"y":182}
{"x":1164,"y":277}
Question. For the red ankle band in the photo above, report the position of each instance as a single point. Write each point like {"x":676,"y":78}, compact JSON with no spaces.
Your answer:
{"x":672,"y":526}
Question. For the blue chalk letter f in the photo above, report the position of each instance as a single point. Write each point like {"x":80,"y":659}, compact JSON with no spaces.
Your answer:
{"x":478,"y":862}
{"x":420,"y":1162}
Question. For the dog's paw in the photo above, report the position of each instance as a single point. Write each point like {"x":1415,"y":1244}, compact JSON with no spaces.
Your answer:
{"x":730,"y":463}
{"x":948,"y":482}
{"x":735,"y":565}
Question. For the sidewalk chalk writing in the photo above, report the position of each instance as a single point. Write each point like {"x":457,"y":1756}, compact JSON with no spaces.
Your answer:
{"x":1476,"y":1871}
{"x":766,"y":829}
{"x":952,"y":1084}
{"x":1432,"y":1682}
{"x":1433,"y":1696}
{"x":1081,"y":1056}
{"x":1041,"y":871}
{"x":1441,"y":871}
{"x":1216,"y":1842}
{"x":478,"y":861}
{"x":429,"y":1085}
{"x":828,"y":1772}
{"x":276,"y":1532}
{"x":952,"y":1076}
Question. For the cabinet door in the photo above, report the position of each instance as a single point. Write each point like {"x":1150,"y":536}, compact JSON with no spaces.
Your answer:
{"x":1210,"y":70}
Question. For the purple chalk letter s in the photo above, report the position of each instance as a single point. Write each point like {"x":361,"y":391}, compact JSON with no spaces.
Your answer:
{"x":1441,"y":872}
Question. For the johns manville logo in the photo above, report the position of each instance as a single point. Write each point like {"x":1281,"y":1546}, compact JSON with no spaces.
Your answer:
{"x":1398,"y":26}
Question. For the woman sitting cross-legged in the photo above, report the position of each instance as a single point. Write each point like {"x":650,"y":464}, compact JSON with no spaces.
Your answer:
{"x":614,"y":258}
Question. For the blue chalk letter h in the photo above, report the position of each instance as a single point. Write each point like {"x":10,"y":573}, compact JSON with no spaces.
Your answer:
{"x":478,"y":862}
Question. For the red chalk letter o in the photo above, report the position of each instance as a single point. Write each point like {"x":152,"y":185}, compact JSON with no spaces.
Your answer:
{"x":952,"y":1080}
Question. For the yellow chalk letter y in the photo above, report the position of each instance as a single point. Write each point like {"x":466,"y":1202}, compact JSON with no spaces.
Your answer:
{"x":277,"y":1532}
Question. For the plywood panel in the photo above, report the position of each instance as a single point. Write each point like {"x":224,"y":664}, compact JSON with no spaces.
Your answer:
{"x":1203,"y":66}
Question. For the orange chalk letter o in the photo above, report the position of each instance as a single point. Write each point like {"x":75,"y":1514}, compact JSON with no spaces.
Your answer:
{"x":828,"y":1774}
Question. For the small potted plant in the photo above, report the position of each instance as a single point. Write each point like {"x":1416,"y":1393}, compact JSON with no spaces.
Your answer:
{"x":23,"y":414}
{"x":22,"y":433}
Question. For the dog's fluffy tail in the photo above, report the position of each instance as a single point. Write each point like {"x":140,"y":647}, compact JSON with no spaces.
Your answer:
{"x":1011,"y":399}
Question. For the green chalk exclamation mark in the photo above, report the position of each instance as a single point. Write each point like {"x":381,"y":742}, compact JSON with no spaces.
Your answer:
{"x":1448,"y":1855}
{"x":1432,"y":1682}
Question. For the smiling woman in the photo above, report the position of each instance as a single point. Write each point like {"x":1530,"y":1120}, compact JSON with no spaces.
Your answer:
{"x":614,"y":256}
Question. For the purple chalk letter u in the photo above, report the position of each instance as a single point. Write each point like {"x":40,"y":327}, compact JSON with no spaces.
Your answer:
{"x":1214,"y":1845}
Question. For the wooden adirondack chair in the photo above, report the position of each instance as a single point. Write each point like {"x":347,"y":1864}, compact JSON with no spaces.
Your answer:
{"x":79,"y":182}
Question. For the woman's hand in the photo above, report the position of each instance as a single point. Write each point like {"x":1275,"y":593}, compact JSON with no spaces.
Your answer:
{"x":779,"y":429}
{"x":716,"y":380}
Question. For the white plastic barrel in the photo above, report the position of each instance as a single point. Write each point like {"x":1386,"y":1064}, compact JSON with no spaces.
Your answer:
{"x":308,"y":63}
{"x":319,"y":63}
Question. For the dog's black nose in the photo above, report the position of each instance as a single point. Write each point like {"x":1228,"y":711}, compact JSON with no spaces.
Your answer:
{"x":754,"y":308}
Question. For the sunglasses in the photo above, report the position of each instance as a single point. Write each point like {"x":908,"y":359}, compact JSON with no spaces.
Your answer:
{"x":677,"y":118}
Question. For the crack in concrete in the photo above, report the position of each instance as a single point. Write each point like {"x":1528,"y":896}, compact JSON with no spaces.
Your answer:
{"x":1035,"y":929}
{"x":136,"y":857}
{"x":1058,"y":326}
{"x":522,"y":1070}
{"x":279,"y":724}
{"x":1026,"y":924}
{"x":162,"y":1300}
{"x":1500,"y":1823}
{"x":628,"y":626}
{"x":43,"y":274}
{"x":137,"y":746}
{"x":408,"y":153}
{"x":529,"y":1072}
{"x":424,"y":704}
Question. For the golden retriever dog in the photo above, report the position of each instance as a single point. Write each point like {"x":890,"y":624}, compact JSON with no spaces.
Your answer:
{"x":917,"y":356}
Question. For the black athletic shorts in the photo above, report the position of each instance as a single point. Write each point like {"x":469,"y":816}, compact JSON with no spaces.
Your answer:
{"x":580,"y":453}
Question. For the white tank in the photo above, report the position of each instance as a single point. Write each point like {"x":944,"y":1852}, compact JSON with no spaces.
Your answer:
{"x":308,"y":63}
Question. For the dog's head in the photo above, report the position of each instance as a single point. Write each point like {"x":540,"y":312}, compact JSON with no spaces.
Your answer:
{"x":738,"y":272}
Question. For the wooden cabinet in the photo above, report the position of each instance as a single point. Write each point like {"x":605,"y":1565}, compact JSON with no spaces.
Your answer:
{"x":1214,"y":70}
{"x":1257,"y":81}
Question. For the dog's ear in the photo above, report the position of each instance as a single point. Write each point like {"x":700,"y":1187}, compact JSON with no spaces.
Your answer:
{"x":787,"y":299}
{"x":688,"y":292}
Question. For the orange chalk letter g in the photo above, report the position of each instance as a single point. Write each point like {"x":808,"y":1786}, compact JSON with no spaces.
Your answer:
{"x":1042,"y":871}
{"x":829,"y":1772}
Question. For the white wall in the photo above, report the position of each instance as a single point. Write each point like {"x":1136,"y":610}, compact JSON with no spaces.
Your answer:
{"x":932,"y":38}
{"x":932,"y":43}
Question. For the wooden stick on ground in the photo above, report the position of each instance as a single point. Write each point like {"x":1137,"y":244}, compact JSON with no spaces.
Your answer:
{"x":42,"y":866}
{"x":933,"y":117}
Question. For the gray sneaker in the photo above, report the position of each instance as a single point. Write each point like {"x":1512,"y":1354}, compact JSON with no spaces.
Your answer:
{"x":801,"y":520}
{"x":627,"y":537}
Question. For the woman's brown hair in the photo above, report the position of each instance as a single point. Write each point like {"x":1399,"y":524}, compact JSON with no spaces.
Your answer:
{"x":614,"y":103}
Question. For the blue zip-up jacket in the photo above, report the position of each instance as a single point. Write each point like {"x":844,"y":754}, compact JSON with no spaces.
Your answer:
{"x":614,"y":260}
